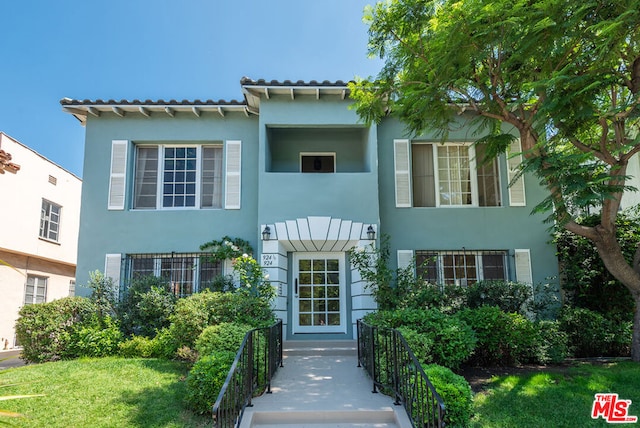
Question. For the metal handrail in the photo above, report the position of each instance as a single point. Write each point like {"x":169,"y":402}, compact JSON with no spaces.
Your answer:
{"x":256,"y":362}
{"x":389,"y":361}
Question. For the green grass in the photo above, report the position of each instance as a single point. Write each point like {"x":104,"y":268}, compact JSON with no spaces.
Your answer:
{"x":550,"y":399}
{"x":108,"y":392}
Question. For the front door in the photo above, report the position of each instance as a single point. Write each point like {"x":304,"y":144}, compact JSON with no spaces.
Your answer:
{"x":319,"y":301}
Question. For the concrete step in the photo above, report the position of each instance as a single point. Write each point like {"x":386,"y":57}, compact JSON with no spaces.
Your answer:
{"x":319,"y":419}
{"x":320,"y":385}
{"x":319,"y":347}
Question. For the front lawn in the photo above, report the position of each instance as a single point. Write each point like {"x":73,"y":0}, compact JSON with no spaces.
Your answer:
{"x":555,"y":398}
{"x":107,"y":392}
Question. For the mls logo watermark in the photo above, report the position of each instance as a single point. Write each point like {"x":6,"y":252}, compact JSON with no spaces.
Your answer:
{"x":612,"y":409}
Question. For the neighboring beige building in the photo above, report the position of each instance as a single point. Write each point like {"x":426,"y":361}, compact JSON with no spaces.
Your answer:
{"x":39,"y":222}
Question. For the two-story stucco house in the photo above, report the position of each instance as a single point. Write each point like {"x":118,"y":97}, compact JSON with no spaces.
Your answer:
{"x":293,"y":170}
{"x":38,"y":234}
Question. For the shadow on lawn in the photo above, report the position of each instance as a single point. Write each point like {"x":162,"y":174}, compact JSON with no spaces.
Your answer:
{"x":163,"y":406}
{"x":558,"y":396}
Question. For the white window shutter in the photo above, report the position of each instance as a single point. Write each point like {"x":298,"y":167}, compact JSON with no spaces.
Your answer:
{"x":516,"y":187}
{"x":405,"y":259}
{"x":233,"y":168}
{"x":523,"y":266}
{"x":402,"y":169}
{"x":112,"y":265}
{"x":117,"y":176}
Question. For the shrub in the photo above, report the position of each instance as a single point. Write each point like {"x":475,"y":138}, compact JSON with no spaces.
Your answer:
{"x":146,"y":306}
{"x":194,"y":313}
{"x":205,"y":380}
{"x":137,"y":347}
{"x":421,"y":344}
{"x":590,"y":334}
{"x":503,"y":339}
{"x":44,"y":330}
{"x":508,"y":296}
{"x":94,"y":338}
{"x":451,"y":340}
{"x":587,"y":282}
{"x":553,"y":344}
{"x":221,"y":337}
{"x":455,"y":392}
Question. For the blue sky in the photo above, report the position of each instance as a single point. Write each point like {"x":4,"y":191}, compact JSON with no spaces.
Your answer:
{"x":161,"y":49}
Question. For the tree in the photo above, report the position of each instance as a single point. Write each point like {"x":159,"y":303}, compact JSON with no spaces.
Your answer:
{"x":562,"y":76}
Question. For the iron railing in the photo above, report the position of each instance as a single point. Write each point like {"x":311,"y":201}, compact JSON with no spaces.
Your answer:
{"x":256,"y":362}
{"x":386,"y":356}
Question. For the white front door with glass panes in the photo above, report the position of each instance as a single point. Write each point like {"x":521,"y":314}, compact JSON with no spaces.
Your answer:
{"x":319,"y":301}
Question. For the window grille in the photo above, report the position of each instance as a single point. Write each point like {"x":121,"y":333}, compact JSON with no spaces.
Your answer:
{"x":462,"y":267}
{"x":186,"y":273}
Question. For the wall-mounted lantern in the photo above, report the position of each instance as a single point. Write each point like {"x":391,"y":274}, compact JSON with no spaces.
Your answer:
{"x":266,"y":233}
{"x":371,"y":233}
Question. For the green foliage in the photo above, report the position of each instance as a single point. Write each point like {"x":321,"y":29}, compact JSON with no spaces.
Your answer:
{"x":227,"y":248}
{"x":562,"y":76}
{"x":373,"y":265}
{"x":221,"y":337}
{"x":590,"y":334}
{"x":455,"y":392}
{"x":95,"y":338}
{"x":205,"y":380}
{"x":503,"y":338}
{"x":221,"y":283}
{"x":103,"y":294}
{"x":508,"y":296}
{"x":198,"y":311}
{"x":146,"y":306}
{"x":553,"y":343}
{"x":137,"y":347}
{"x":586,"y":281}
{"x":436,"y":337}
{"x":162,"y":345}
{"x":253,"y":280}
{"x":391,"y":288}
{"x":45,"y":330}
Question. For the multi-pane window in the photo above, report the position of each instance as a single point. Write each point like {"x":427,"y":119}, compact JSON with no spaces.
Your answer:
{"x":453,"y":175}
{"x":178,"y":177}
{"x":186,"y":273}
{"x":35,"y":290}
{"x":461,"y":267}
{"x":50,"y":220}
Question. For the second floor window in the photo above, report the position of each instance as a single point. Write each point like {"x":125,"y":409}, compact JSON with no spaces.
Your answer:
{"x":178,"y":177}
{"x":50,"y":221}
{"x":453,"y":175}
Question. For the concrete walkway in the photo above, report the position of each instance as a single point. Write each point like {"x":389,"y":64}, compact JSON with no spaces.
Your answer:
{"x":321,"y":385}
{"x":10,"y":359}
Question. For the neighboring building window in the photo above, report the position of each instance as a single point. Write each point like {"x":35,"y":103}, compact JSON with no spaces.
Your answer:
{"x":187,"y":273}
{"x":50,"y":220}
{"x":178,"y":177}
{"x":461,"y":267}
{"x":72,"y":288}
{"x":35,"y":290}
{"x":447,"y":175}
{"x":317,"y":162}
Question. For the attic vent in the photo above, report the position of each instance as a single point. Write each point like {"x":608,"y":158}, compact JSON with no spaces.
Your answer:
{"x":53,"y":180}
